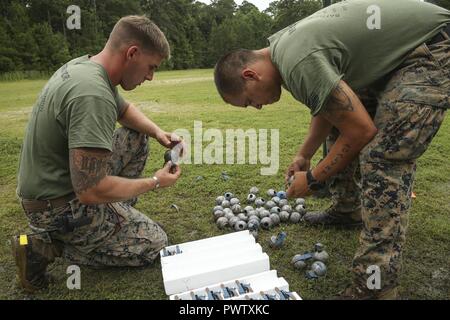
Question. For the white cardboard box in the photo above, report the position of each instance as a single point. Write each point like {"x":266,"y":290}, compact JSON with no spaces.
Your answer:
{"x":209,"y":268}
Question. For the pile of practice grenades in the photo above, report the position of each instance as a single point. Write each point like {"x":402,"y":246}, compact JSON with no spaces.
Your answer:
{"x":315,"y":258}
{"x":258,"y":213}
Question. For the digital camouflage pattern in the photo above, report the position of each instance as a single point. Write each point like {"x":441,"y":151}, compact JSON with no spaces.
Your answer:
{"x":119,"y":235}
{"x":410,"y":110}
{"x":344,"y":187}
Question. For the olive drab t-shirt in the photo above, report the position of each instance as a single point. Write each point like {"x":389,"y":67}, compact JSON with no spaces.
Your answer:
{"x":77,"y":108}
{"x":358,"y":41}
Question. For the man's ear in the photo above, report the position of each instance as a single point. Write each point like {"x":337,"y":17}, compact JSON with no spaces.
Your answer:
{"x":250,"y":74}
{"x":132,"y":52}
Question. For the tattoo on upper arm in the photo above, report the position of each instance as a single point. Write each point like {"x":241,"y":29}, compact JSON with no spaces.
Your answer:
{"x":88,"y":167}
{"x":341,"y":100}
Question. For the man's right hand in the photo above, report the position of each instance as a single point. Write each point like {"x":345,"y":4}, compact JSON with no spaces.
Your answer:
{"x":300,"y":163}
{"x":168,"y":175}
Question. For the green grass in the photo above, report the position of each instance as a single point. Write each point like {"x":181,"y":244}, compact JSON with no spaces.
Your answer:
{"x":175,"y":100}
{"x":22,"y":75}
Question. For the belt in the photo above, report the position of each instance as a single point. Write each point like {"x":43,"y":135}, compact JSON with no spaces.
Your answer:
{"x":32,"y":205}
{"x":444,"y":34}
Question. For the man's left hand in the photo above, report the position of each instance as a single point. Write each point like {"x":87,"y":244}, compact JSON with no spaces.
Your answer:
{"x":299,"y":186}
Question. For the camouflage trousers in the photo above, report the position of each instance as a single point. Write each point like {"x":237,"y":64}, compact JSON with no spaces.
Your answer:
{"x":119,"y":235}
{"x":409,"y":111}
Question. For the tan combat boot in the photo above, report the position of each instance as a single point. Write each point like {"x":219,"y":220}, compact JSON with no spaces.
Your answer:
{"x":32,"y":260}
{"x":331,"y":217}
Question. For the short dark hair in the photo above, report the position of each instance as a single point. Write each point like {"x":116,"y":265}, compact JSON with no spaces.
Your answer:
{"x":139,"y":30}
{"x":227,"y":71}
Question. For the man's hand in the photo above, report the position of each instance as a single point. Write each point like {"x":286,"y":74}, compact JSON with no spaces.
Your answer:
{"x":168,"y":175}
{"x":299,"y":163}
{"x":299,"y":186}
{"x":319,"y":129}
{"x":136,"y":120}
{"x":167,"y":139}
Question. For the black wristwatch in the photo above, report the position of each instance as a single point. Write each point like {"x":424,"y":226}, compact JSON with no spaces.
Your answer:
{"x":313,"y":184}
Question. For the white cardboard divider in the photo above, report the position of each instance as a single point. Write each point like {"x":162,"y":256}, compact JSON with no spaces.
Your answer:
{"x":258,"y":296}
{"x":212,"y":258}
{"x":221,"y":248}
{"x":192,"y":268}
{"x":259,"y":282}
{"x":199,"y":245}
{"x":193,"y":278}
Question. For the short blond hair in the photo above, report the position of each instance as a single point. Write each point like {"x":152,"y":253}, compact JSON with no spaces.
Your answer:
{"x":141,"y":31}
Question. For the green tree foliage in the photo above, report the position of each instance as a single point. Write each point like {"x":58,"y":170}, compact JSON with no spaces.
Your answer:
{"x":34,"y":35}
{"x":247,"y":28}
{"x":443,"y":3}
{"x":52,"y":50}
{"x":176,"y":20}
{"x":286,"y":12}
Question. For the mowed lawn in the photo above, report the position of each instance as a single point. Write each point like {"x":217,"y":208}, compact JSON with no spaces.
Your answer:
{"x":175,"y":100}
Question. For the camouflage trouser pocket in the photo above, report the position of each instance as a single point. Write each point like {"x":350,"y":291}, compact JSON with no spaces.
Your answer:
{"x":412,"y":106}
{"x":405,"y":131}
{"x":422,"y":79}
{"x":137,"y":241}
{"x":46,"y":224}
{"x":90,"y":236}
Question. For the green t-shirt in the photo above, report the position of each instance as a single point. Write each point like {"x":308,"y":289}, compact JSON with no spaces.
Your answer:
{"x":77,"y":108}
{"x":336,"y":43}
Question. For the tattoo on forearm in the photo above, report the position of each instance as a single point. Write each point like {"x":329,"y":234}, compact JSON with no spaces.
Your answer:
{"x":88,"y":168}
{"x":345,"y":149}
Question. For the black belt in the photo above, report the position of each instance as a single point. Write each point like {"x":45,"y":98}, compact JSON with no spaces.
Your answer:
{"x":440,"y":37}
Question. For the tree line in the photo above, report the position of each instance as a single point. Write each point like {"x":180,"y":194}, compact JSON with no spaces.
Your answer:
{"x":34,"y":34}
